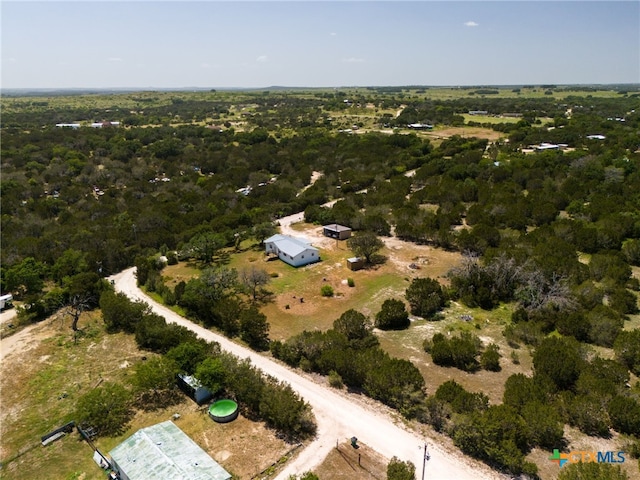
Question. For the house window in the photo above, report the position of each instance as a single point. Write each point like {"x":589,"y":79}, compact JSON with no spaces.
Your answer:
{"x":302,"y":256}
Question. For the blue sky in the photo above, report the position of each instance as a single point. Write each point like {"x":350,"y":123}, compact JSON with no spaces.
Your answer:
{"x":162,"y":44}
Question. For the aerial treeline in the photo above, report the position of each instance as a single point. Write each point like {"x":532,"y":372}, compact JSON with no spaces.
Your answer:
{"x":219,"y":297}
{"x":569,"y":386}
{"x":349,"y":354}
{"x":108,"y":407}
{"x":116,"y":193}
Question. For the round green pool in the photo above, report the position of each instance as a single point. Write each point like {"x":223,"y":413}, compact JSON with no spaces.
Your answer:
{"x":223,"y":411}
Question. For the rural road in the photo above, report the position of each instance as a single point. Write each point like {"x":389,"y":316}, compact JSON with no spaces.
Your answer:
{"x":339,"y":415}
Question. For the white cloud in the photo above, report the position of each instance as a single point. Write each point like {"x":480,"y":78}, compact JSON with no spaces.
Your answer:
{"x":333,"y":34}
{"x":353,"y":60}
{"x":205,"y":65}
{"x":262,"y":59}
{"x":114,"y":59}
{"x":471,"y":24}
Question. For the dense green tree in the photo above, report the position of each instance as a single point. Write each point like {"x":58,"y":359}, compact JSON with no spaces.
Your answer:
{"x":212,"y":374}
{"x":70,"y":263}
{"x":105,"y":408}
{"x":283,"y":409}
{"x":631,"y":251}
{"x":254,"y":328}
{"x":204,"y":246}
{"x":627,"y":349}
{"x":26,"y":277}
{"x":545,"y":424}
{"x":155,"y":381}
{"x":592,"y":471}
{"x":459,"y":351}
{"x":624,"y":413}
{"x":264,"y":230}
{"x":587,"y":414}
{"x":121,"y":314}
{"x":392,"y":315}
{"x":425,"y":296}
{"x":365,"y":245}
{"x":188,"y":355}
{"x":155,"y":334}
{"x":520,"y":389}
{"x":499,"y":436}
{"x":460,"y":400}
{"x":604,"y":325}
{"x":353,"y":325}
{"x":399,"y":470}
{"x":560,"y":359}
{"x":490,"y":358}
{"x":391,"y":380}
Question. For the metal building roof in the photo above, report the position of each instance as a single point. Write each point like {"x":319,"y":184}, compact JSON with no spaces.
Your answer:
{"x":164,"y":451}
{"x":290,"y":245}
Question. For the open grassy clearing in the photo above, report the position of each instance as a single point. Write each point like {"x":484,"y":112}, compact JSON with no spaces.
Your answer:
{"x":488,"y":326}
{"x":42,"y":380}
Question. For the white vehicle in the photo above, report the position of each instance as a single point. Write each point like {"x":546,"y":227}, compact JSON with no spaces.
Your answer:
{"x":6,"y":301}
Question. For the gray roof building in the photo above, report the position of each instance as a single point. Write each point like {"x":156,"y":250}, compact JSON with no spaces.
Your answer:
{"x":164,"y":451}
{"x":294,"y":251}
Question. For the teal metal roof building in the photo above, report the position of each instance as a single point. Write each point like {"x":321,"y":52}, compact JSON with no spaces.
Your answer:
{"x":163,"y":451}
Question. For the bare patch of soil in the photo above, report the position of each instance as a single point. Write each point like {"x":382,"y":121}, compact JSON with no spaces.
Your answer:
{"x":347,"y":462}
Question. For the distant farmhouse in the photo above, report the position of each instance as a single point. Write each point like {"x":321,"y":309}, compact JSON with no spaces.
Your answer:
{"x":294,"y":251}
{"x":163,"y":451}
{"x":334,"y":230}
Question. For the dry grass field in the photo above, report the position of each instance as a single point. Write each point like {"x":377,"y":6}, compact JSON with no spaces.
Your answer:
{"x":42,"y":379}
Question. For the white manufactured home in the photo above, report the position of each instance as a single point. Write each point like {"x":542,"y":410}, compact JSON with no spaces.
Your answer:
{"x":294,"y":251}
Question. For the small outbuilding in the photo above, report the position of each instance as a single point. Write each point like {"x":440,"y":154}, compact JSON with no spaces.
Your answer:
{"x":163,"y":451}
{"x":193,"y":388}
{"x":355,"y":263}
{"x":339,"y":232}
{"x":294,"y":251}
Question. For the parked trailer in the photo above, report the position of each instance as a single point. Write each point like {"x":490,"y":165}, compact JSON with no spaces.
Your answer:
{"x":6,"y":301}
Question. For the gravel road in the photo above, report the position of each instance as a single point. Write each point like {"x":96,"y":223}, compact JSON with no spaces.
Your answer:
{"x":339,"y":415}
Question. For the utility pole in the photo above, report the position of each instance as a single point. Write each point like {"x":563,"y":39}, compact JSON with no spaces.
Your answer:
{"x":425,"y":457}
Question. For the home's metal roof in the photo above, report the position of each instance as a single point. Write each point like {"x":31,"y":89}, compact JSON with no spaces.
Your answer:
{"x":290,"y":245}
{"x":164,"y":451}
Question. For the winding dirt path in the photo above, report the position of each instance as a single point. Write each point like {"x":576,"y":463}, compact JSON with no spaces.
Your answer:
{"x":339,"y":415}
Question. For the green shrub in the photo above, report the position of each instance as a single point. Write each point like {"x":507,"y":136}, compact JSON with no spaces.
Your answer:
{"x":490,"y":358}
{"x":351,"y":282}
{"x":327,"y":291}
{"x":335,"y":380}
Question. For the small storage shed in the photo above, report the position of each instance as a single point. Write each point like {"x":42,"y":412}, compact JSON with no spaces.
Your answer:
{"x":355,"y":263}
{"x":334,"y":230}
{"x":163,"y":451}
{"x":193,"y":388}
